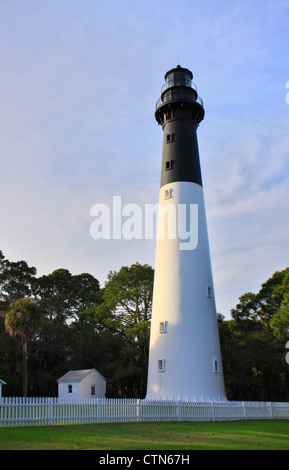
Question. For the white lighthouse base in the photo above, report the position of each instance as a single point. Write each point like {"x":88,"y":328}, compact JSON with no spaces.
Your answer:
{"x":185,"y":358}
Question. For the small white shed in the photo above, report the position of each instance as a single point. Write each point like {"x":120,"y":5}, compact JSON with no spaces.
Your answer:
{"x":85,"y":383}
{"x":1,"y":383}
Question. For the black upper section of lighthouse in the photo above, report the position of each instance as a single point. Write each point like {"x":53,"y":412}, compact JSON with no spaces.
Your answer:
{"x":180,"y":110}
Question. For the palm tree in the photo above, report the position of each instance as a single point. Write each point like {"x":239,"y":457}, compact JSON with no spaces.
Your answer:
{"x":23,"y":320}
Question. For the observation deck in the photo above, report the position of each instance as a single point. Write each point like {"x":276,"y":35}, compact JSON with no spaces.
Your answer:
{"x":179,"y":88}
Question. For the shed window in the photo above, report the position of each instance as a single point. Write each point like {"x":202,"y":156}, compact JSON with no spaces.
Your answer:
{"x":69,"y":388}
{"x":92,"y":392}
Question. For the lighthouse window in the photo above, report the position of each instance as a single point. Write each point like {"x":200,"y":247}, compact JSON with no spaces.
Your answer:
{"x":215,"y":365}
{"x":161,"y":365}
{"x":209,"y":291}
{"x":163,"y":327}
{"x":169,"y":164}
{"x":168,"y":193}
{"x":170,"y":137}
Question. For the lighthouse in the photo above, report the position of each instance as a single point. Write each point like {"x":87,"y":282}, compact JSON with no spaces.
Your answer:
{"x":184,"y":356}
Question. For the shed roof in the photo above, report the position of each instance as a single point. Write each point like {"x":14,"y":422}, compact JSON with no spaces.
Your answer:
{"x":77,"y":375}
{"x":2,"y":382}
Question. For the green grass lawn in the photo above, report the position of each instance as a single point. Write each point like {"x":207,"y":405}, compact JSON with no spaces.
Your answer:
{"x":249,"y":435}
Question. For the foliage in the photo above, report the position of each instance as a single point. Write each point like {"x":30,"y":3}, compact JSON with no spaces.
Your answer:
{"x":23,"y":320}
{"x":126,"y":310}
{"x":84,"y":326}
{"x":253,"y":343}
{"x":266,"y":304}
{"x":253,"y":362}
{"x":16,"y":279}
{"x":62,"y":296}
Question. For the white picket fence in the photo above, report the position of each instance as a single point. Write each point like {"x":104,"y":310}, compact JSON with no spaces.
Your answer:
{"x":53,"y":411}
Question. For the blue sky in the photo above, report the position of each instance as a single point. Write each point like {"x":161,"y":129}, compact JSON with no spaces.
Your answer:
{"x":78,"y":85}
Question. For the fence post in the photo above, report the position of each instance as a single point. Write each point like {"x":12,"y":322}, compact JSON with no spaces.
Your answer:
{"x":245,"y":411}
{"x":271,"y":410}
{"x":139,"y":417}
{"x":213,"y":411}
{"x":98,"y":411}
{"x":49,"y":411}
{"x":179,"y":411}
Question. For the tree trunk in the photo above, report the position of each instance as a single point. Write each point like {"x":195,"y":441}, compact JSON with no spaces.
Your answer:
{"x":25,"y":367}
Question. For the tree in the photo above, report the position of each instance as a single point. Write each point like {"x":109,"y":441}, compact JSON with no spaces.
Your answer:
{"x":253,"y":362}
{"x":280,"y":322}
{"x":16,"y":279}
{"x":63,"y":296}
{"x":23,"y":320}
{"x":268,"y":306}
{"x":128,"y":294}
{"x":253,"y":343}
{"x":126,"y":312}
